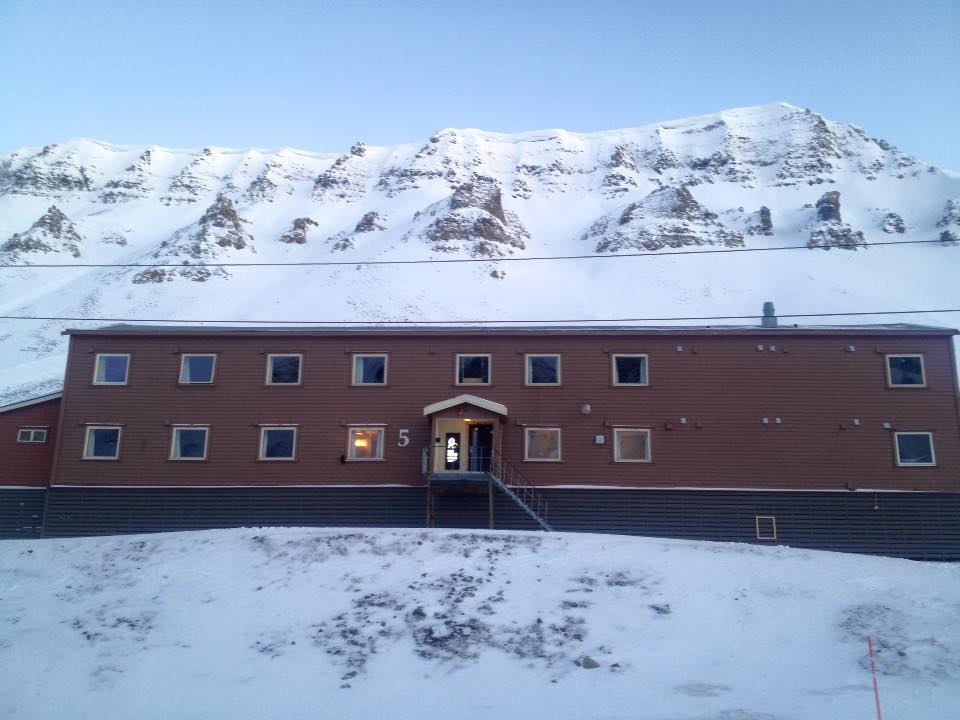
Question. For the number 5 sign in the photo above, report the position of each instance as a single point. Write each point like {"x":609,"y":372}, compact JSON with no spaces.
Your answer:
{"x":404,"y":439}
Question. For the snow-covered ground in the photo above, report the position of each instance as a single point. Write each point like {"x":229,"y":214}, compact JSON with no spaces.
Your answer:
{"x":304,"y":623}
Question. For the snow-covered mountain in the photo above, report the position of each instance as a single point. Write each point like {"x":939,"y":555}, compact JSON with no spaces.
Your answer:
{"x":762,"y":176}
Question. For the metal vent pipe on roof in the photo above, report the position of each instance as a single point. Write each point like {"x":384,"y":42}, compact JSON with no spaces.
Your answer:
{"x":769,"y":316}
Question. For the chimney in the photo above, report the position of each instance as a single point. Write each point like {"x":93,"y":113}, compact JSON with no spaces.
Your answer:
{"x":769,"y":315}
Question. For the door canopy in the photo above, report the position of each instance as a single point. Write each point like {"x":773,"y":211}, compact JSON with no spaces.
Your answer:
{"x":466,"y":399}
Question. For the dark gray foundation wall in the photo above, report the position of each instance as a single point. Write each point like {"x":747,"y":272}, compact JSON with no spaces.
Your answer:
{"x":923,"y":526}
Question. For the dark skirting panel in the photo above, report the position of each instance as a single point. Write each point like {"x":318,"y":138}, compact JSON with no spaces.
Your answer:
{"x":924,"y":526}
{"x":115,"y":511}
{"x":21,"y":512}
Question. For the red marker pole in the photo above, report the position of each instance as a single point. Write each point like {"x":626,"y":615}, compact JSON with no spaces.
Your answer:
{"x":873,"y":669}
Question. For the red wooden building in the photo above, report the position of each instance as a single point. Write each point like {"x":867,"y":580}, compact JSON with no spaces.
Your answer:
{"x":835,"y":437}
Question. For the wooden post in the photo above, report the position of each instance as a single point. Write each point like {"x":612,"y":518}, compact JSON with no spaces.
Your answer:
{"x":490,"y":500}
{"x":429,"y":504}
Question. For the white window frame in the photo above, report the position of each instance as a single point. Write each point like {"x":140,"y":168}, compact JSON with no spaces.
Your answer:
{"x":613,"y":369}
{"x":528,"y":369}
{"x":616,"y":444}
{"x":896,"y":449}
{"x":381,"y":430}
{"x":261,"y":453}
{"x":87,"y":436}
{"x":526,"y":444}
{"x":183,"y":367}
{"x":173,"y":442}
{"x":923,"y":370}
{"x":96,"y":369}
{"x":456,"y":369}
{"x":269,"y":373}
{"x":32,"y":430}
{"x":355,"y":380}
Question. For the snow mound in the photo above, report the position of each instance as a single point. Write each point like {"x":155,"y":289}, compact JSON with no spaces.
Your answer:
{"x":299,"y":623}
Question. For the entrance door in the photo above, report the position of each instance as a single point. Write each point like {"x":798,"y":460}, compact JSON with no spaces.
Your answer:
{"x":451,"y":449}
{"x":480,"y":446}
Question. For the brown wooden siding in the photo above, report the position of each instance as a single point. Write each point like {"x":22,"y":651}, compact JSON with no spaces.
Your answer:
{"x":722,"y":384}
{"x":28,"y":464}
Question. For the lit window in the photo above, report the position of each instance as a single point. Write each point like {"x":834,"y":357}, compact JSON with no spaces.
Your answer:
{"x":905,"y":371}
{"x":197,"y":369}
{"x":369,"y":369}
{"x":111,"y":369}
{"x":541,"y":444}
{"x":102,"y":443}
{"x":631,"y":445}
{"x":630,"y":370}
{"x":473,"y":369}
{"x":366,"y":443}
{"x":543,"y":370}
{"x":189,"y":443}
{"x":278,"y":443}
{"x":32,"y":435}
{"x":914,"y":449}
{"x":283,"y":369}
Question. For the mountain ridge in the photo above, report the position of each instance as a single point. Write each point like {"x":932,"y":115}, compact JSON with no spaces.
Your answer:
{"x":769,"y":175}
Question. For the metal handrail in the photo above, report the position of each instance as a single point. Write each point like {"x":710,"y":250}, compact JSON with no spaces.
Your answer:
{"x":519,"y":489}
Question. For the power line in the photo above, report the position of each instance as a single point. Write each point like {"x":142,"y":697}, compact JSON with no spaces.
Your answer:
{"x":439,"y":261}
{"x":472,"y":322}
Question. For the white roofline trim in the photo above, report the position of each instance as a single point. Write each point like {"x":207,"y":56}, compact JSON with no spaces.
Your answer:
{"x":31,"y":401}
{"x":461,"y":399}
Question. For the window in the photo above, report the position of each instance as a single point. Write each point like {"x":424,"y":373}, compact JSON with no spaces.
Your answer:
{"x":630,"y":370}
{"x":914,"y":449}
{"x":473,"y":369}
{"x":278,"y":443}
{"x":369,"y":369}
{"x":102,"y":443}
{"x":631,"y":445}
{"x":366,"y":443}
{"x":111,"y":369}
{"x":32,"y":435}
{"x":766,"y":527}
{"x":189,"y":443}
{"x":197,"y":369}
{"x":283,"y":369}
{"x":543,"y":370}
{"x":541,"y":444}
{"x":905,"y":371}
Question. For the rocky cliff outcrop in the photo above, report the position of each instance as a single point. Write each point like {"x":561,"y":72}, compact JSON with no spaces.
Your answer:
{"x":667,"y":217}
{"x":829,"y":230}
{"x":473,"y":220}
{"x":218,"y":235}
{"x":52,"y":233}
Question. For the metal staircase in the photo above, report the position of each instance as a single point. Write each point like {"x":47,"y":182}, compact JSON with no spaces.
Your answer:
{"x":505,"y":476}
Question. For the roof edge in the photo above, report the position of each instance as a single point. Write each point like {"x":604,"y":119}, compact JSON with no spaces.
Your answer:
{"x":32,"y":401}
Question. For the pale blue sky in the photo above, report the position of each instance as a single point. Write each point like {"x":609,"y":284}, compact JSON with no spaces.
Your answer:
{"x":320,"y":75}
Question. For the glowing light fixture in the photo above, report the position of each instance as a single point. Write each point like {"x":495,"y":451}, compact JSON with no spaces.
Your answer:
{"x":361,"y":442}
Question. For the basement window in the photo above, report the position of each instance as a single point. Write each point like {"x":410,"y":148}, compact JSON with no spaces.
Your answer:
{"x":473,"y":369}
{"x":630,"y":370}
{"x":278,"y":443}
{"x":766,"y":526}
{"x":369,"y":369}
{"x":197,"y":369}
{"x":631,"y":445}
{"x":543,"y":369}
{"x":102,"y":443}
{"x":906,"y":371}
{"x":111,"y":369}
{"x":32,"y":435}
{"x":189,"y":442}
{"x":914,"y":449}
{"x":284,"y":369}
{"x":365,"y":443}
{"x":541,"y":444}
